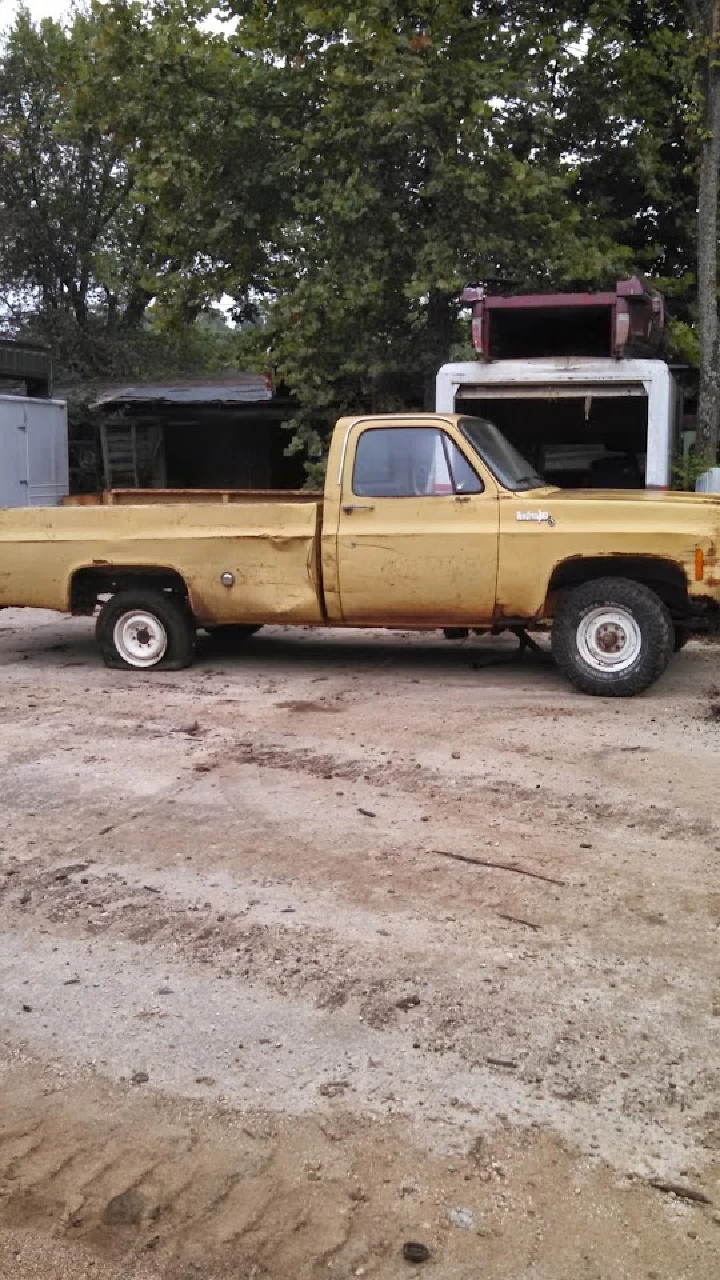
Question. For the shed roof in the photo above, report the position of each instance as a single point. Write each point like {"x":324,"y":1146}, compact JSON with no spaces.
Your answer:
{"x":231,"y":388}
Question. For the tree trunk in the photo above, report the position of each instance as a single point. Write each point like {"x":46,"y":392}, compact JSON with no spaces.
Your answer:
{"x":709,"y":398}
{"x":137,"y":304}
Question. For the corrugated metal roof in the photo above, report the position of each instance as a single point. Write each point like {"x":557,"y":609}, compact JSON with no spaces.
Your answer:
{"x":236,"y":388}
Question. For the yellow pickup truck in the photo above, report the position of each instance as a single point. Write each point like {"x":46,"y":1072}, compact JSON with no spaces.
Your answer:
{"x":427,"y":521}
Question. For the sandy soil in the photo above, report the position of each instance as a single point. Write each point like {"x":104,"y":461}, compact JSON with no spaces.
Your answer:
{"x":256,"y":1023}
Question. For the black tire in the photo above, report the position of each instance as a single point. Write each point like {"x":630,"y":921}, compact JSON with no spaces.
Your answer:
{"x":170,"y":614}
{"x":682,"y":635}
{"x":654,"y":637}
{"x":232,"y":636}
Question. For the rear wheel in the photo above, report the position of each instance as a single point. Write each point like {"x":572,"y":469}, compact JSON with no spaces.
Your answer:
{"x":612,"y":637}
{"x":139,"y":630}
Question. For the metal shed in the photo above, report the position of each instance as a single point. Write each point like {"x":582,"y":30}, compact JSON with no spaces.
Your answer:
{"x":33,"y":452}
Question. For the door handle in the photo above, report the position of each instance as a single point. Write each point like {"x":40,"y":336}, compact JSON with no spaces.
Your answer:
{"x":357,"y":506}
{"x":462,"y":497}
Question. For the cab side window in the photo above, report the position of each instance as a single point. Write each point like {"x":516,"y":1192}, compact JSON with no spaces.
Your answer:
{"x":410,"y":462}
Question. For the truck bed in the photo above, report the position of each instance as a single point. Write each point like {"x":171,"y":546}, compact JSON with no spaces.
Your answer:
{"x":270,"y":544}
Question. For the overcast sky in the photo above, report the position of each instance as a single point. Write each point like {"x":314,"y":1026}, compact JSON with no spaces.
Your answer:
{"x":38,"y":8}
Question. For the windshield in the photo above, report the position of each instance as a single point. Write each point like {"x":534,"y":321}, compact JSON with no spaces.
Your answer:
{"x":507,"y":465}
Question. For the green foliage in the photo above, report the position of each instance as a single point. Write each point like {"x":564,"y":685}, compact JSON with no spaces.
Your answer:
{"x":340,"y":172}
{"x":135,"y":168}
{"x":627,"y":107}
{"x":633,"y":117}
{"x":424,"y":166}
{"x":96,"y":356}
{"x":683,"y":341}
{"x":686,"y":470}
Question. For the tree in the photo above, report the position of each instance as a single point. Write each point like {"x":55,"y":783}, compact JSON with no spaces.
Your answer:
{"x":136,"y":168}
{"x":64,"y":181}
{"x":705,"y":16}
{"x":421,"y":164}
{"x":623,"y":115}
{"x":80,"y":250}
{"x":206,"y":116}
{"x":642,"y":116}
{"x":343,"y":172}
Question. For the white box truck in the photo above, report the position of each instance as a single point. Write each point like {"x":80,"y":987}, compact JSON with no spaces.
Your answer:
{"x":571,"y":380}
{"x":581,"y":421}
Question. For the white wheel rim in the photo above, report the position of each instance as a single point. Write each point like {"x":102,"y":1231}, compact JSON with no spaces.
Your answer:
{"x":140,"y":638}
{"x":609,"y":639}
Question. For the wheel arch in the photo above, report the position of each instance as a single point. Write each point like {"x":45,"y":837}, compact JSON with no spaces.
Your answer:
{"x":89,"y":582}
{"x":665,"y":577}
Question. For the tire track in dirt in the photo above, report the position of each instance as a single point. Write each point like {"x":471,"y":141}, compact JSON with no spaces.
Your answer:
{"x":180,"y":1191}
{"x":481,"y":1006}
{"x":506,"y":795}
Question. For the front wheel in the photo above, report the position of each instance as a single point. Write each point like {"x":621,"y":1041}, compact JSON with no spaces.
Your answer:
{"x":143,"y":629}
{"x":612,"y":637}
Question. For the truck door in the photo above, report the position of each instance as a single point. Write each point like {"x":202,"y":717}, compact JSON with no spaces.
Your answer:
{"x":417,"y":528}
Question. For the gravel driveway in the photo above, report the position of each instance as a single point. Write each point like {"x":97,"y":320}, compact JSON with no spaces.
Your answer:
{"x":351,"y":940}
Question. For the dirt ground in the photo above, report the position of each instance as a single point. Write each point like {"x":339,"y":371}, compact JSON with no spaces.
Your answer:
{"x":255,"y":1021}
